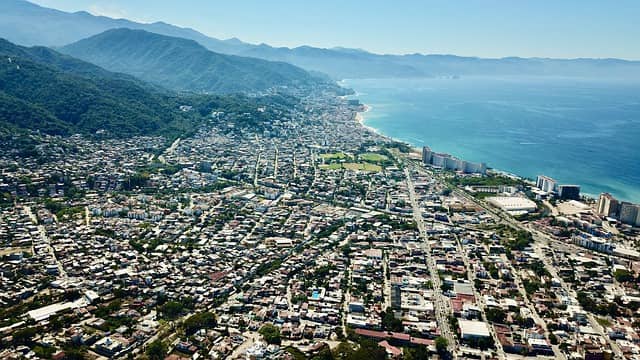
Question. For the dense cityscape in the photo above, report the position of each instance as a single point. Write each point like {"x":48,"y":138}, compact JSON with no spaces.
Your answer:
{"x":311,"y":238}
{"x":317,"y":180}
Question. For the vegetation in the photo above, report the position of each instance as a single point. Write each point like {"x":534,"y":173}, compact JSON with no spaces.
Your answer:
{"x":268,"y":267}
{"x":418,"y":353}
{"x":489,"y":180}
{"x":182,"y":64}
{"x":441,"y":345}
{"x":334,"y":156}
{"x":390,"y":322}
{"x":495,"y":315}
{"x":352,"y":166}
{"x":270,"y":333}
{"x":623,"y":275}
{"x":372,"y":157}
{"x":171,"y":310}
{"x":203,"y":320}
{"x":295,"y":352}
{"x":42,"y":90}
{"x":156,"y":350}
{"x":364,"y":350}
{"x":588,"y":302}
{"x":61,"y":95}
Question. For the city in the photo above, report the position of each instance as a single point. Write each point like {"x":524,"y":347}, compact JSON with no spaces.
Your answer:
{"x":311,"y":236}
{"x":319,"y":180}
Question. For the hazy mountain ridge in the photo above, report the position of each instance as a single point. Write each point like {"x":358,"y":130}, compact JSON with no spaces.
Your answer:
{"x":27,"y":24}
{"x":183,"y":64}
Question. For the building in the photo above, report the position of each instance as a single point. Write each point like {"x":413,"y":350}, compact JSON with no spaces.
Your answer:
{"x":569,"y":192}
{"x":546,"y":184}
{"x":448,"y":162}
{"x":513,"y":204}
{"x":629,"y":213}
{"x":108,"y":346}
{"x":607,"y":205}
{"x":473,"y":329}
{"x":438,"y":159}
{"x":473,"y":168}
{"x":426,"y":155}
{"x":593,"y":243}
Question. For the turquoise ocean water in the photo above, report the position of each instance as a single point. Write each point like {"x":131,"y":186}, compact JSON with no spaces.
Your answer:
{"x":578,"y":131}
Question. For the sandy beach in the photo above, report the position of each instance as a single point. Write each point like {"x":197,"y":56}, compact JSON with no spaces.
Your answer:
{"x":359,"y":117}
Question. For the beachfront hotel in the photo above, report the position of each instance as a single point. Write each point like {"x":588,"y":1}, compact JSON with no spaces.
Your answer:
{"x":450,"y":162}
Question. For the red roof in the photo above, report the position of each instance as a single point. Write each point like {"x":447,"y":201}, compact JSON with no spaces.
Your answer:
{"x":456,"y":305}
{"x":421,"y":341}
{"x":400,"y":336}
{"x":218,"y":275}
{"x":394,"y":351}
{"x":372,"y":333}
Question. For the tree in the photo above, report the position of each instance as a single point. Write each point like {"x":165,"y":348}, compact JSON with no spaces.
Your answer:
{"x":199,"y":321}
{"x":369,"y":350}
{"x":270,"y":333}
{"x":156,"y":350}
{"x":171,"y":310}
{"x":323,"y":354}
{"x":389,"y":321}
{"x":24,"y":336}
{"x":295,"y":353}
{"x":495,"y":315}
{"x":343,"y":351}
{"x":416,"y":353}
{"x":622,"y":275}
{"x":75,"y":353}
{"x":441,"y":344}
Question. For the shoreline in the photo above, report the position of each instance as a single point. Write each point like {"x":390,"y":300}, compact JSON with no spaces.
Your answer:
{"x":360,"y":119}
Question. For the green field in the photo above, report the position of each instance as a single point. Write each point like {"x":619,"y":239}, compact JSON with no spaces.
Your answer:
{"x":335,"y":166}
{"x":372,"y":157}
{"x":334,"y":156}
{"x":353,"y":166}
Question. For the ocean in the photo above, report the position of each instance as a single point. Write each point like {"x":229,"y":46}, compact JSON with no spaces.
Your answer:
{"x":578,"y":131}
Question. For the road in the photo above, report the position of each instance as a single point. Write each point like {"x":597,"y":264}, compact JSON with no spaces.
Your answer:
{"x":441,"y":302}
{"x":169,"y":150}
{"x":42,"y":232}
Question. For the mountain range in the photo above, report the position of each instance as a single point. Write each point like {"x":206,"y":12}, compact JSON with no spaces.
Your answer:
{"x":182,"y":64}
{"x":45,"y":91}
{"x":28,"y":24}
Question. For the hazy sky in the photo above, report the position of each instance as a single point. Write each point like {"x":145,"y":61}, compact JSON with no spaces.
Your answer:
{"x":487,"y":28}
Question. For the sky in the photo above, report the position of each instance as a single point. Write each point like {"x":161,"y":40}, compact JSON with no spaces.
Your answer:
{"x":484,"y":28}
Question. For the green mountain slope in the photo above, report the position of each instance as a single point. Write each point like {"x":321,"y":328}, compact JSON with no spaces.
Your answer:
{"x":53,"y":93}
{"x":182,"y":64}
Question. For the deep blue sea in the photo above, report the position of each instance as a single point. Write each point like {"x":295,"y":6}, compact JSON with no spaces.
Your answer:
{"x":578,"y":131}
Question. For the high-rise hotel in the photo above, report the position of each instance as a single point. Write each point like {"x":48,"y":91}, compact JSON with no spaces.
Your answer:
{"x":449,"y":162}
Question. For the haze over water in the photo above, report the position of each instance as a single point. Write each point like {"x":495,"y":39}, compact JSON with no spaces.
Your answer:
{"x":577,"y":131}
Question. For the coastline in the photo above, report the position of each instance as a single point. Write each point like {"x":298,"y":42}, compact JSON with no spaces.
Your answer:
{"x":360,"y":119}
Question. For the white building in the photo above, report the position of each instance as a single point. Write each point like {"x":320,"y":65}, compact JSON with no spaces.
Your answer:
{"x":546,"y":184}
{"x":473,"y":329}
{"x":513,"y":204}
